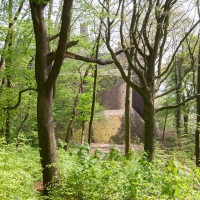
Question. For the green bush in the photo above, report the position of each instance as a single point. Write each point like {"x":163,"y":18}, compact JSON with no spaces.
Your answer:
{"x":97,"y":177}
{"x":112,"y":177}
{"x":19,"y":170}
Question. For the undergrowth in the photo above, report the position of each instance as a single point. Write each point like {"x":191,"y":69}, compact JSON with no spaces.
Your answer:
{"x":19,"y":170}
{"x":112,"y":177}
{"x":98,"y":177}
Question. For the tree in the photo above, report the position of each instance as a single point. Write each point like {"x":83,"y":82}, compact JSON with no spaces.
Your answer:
{"x":197,"y":133}
{"x":144,"y":39}
{"x":15,"y":73}
{"x":47,"y":67}
{"x":127,"y":117}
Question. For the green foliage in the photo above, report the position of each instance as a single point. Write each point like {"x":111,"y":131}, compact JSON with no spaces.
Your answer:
{"x":99,"y":176}
{"x":113,"y":177}
{"x":19,"y":171}
{"x":39,"y":1}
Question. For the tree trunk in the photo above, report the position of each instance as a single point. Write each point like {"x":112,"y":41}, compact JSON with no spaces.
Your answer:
{"x":93,"y":106}
{"x":127,"y":117}
{"x":71,"y":123}
{"x":47,"y":68}
{"x":69,"y":132}
{"x":198,"y":115}
{"x":165,"y":122}
{"x":83,"y":134}
{"x":8,"y":127}
{"x":47,"y":140}
{"x":149,"y":129}
{"x":178,"y":99}
{"x":94,"y":86}
{"x":186,"y":120}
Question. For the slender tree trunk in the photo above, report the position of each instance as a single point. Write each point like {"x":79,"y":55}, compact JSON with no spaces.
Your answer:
{"x":164,"y":126}
{"x":127,"y":117}
{"x":178,"y":99}
{"x":8,"y":63}
{"x":83,"y":133}
{"x":71,"y":123}
{"x":93,"y":105}
{"x":74,"y":113}
{"x":197,"y":133}
{"x":7,"y":127}
{"x":69,"y":133}
{"x":94,"y":86}
{"x":186,"y":120}
{"x":197,"y":146}
{"x":21,"y":128}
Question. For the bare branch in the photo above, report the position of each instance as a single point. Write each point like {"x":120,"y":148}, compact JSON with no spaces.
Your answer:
{"x":177,"y":105}
{"x":176,"y":50}
{"x":87,"y":59}
{"x":165,"y":93}
{"x":144,"y":26}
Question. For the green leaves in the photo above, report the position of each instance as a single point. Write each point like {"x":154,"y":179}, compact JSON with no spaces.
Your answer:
{"x":19,"y":170}
{"x":111,"y":176}
{"x":40,"y":1}
{"x":96,"y":177}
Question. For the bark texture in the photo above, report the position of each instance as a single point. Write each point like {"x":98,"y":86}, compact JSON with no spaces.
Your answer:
{"x":47,"y":69}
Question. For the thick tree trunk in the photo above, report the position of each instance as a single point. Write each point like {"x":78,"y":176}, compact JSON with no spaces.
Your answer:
{"x":149,"y":130}
{"x":47,"y":68}
{"x":47,"y":140}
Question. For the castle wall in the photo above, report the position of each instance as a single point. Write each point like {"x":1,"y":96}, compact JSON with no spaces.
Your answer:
{"x":137,"y":103}
{"x":114,"y":98}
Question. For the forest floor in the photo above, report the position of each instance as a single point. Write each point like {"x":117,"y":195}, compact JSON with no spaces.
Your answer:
{"x":106,"y":147}
{"x":169,"y":140}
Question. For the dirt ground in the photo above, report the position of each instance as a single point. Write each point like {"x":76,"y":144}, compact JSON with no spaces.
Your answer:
{"x":106,"y":147}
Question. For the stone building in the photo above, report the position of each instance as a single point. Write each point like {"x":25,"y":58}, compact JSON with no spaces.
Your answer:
{"x":110,"y":127}
{"x":111,"y":124}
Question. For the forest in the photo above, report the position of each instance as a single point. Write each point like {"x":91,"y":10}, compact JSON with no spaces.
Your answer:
{"x":99,"y":99}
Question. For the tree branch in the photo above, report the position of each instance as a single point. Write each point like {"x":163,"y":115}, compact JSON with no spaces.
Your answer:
{"x":87,"y":59}
{"x":20,"y":98}
{"x":54,"y":37}
{"x":177,"y":105}
{"x":71,"y":44}
{"x":165,"y":93}
{"x":176,"y":50}
{"x":62,"y":44}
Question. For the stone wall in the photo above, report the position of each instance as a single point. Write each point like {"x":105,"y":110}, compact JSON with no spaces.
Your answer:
{"x":114,"y":97}
{"x":111,"y":127}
